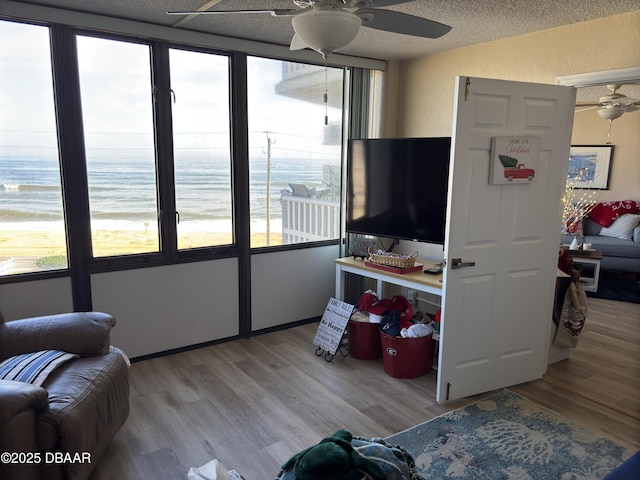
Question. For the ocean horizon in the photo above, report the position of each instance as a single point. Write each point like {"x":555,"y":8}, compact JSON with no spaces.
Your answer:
{"x":122,"y":193}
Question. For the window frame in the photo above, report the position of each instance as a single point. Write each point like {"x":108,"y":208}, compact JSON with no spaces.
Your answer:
{"x":168,"y":252}
{"x":198,"y":251}
{"x":54,"y":272}
{"x":72,"y":160}
{"x":344,"y":131}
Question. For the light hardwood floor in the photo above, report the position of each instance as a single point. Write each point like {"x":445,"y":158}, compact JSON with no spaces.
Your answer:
{"x":605,"y":366}
{"x":254,"y":403}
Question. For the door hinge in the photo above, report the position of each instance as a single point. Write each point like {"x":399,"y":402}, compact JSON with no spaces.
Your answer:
{"x":466,"y":89}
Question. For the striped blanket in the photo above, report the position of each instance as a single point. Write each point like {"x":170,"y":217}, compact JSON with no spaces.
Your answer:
{"x":33,"y":367}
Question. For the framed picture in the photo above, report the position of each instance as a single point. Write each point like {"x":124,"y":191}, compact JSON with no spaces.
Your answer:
{"x":590,"y":166}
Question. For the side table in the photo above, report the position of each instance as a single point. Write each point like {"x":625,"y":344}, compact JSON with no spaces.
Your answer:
{"x":590,"y":275}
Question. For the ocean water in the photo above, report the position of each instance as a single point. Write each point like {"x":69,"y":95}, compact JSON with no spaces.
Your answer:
{"x":122,"y":192}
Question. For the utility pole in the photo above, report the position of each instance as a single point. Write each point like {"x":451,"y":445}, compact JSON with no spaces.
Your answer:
{"x":270,"y":140}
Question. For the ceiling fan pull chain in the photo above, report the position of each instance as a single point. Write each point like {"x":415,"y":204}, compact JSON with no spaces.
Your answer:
{"x":326,"y":98}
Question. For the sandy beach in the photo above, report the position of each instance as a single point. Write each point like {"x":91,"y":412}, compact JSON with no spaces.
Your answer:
{"x":43,"y":243}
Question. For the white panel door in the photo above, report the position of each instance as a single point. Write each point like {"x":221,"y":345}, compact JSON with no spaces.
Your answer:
{"x":497,"y":313}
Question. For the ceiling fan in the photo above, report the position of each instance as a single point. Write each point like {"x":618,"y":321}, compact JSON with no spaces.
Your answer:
{"x":328,"y":25}
{"x":614,"y":104}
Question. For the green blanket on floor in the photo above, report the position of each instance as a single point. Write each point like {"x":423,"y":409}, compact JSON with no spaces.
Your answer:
{"x":345,"y":457}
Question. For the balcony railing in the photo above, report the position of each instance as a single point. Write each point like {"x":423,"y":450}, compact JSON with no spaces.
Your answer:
{"x":309,"y":219}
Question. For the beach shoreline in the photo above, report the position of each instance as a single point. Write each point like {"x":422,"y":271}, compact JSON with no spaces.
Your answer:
{"x":52,"y":242}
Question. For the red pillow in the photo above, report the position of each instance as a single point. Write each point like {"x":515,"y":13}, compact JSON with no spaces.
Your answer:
{"x":604,"y":213}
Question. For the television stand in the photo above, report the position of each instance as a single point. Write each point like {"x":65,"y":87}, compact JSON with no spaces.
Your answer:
{"x":418,"y":281}
{"x":415,"y":280}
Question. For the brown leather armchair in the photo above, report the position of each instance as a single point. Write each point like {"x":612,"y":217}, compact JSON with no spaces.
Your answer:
{"x":60,"y":429}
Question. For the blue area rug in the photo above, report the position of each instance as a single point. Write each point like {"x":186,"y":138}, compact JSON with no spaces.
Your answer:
{"x":508,"y":437}
{"x":617,"y":287}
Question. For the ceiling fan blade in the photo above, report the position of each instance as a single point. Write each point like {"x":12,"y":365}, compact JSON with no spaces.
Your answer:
{"x":584,"y":109}
{"x":281,"y":12}
{"x":398,"y":22}
{"x":387,"y":3}
{"x":297,"y":44}
{"x":627,"y":101}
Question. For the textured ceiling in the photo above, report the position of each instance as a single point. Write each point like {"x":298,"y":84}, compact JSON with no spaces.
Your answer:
{"x":473,"y":21}
{"x":592,"y":94}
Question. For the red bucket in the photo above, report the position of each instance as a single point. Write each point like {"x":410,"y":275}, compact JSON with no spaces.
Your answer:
{"x":364,"y":340}
{"x":407,"y":357}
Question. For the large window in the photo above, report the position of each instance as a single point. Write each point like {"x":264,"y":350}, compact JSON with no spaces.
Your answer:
{"x":117,"y":112}
{"x":32,"y":233}
{"x":295,"y":147}
{"x":201,"y":143}
{"x":158,"y":133}
{"x":117,"y":104}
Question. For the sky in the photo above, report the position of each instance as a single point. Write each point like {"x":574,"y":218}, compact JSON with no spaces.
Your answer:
{"x":115,"y":83}
{"x":26,"y":101}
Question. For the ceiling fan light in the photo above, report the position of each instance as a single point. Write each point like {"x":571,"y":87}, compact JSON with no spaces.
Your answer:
{"x":611,"y":113}
{"x":326,"y":30}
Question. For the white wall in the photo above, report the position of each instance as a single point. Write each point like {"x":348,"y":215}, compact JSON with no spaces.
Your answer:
{"x":292,"y":285}
{"x":168,"y":307}
{"x":590,"y":129}
{"x":32,"y":299}
{"x":423,"y":87}
{"x":163,"y":308}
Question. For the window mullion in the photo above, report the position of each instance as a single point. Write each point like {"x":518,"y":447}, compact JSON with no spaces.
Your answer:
{"x":240,"y":171}
{"x":73,"y":161}
{"x":162,"y":97}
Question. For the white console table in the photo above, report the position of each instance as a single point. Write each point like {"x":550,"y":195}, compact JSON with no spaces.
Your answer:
{"x":420,"y":281}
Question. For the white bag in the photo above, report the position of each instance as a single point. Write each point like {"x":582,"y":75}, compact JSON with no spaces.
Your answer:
{"x":214,"y":470}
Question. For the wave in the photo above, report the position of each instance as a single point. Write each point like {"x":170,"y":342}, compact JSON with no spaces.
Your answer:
{"x":45,"y":226}
{"x":18,"y":187}
{"x":139,"y":217}
{"x":150,"y":215}
{"x":22,"y":216}
{"x":126,"y":191}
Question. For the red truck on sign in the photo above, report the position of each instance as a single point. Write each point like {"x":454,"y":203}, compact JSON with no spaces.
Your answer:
{"x":519,"y":172}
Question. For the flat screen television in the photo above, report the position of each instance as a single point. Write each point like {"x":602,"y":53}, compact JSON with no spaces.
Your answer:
{"x":397,"y":187}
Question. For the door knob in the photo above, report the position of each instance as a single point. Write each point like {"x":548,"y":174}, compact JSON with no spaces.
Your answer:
{"x":458,"y":263}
